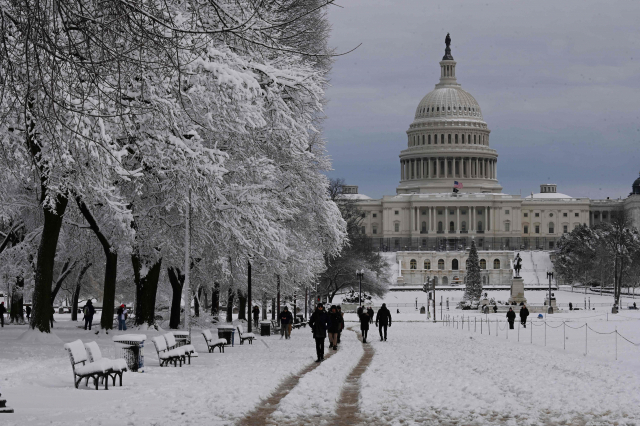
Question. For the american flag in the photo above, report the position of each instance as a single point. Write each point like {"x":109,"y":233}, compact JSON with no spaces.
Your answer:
{"x":457,"y":185}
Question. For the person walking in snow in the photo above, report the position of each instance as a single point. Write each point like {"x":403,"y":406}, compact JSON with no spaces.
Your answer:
{"x":285,"y":321}
{"x":28,"y":310}
{"x":524,"y":313}
{"x":318,"y":325}
{"x":333,"y":326}
{"x":122,"y":316}
{"x":341,"y":323}
{"x":3,"y":311}
{"x":364,"y":325}
{"x":256,"y":316}
{"x":370,"y":313}
{"x":383,"y":319}
{"x":89,"y":310}
{"x":511,"y":317}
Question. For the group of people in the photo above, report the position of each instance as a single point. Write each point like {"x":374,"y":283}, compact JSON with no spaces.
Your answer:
{"x":524,"y":313}
{"x":383,"y":320}
{"x":332,"y":322}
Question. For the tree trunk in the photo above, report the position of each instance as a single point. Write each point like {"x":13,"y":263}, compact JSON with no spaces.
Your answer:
{"x":196,"y":303}
{"x":17,"y":300}
{"x":146,"y":290}
{"x":76,"y":293}
{"x":110,"y":269}
{"x":205,"y":297}
{"x":230,"y":305}
{"x":177,"y":280}
{"x":41,"y":312}
{"x":242,"y":306}
{"x":264,"y":306}
{"x":278,"y":297}
{"x":66,"y":270}
{"x":273,"y":309}
{"x":249,"y":296}
{"x":215,"y":301}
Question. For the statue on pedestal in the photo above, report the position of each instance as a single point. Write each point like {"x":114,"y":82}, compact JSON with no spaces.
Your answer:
{"x":517,"y":265}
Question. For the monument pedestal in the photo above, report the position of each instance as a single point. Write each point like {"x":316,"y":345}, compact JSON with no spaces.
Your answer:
{"x":517,"y":291}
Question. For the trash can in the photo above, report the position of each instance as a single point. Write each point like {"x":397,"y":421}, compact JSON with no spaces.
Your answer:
{"x":226,"y":332}
{"x":265,"y":328}
{"x":131,"y":348}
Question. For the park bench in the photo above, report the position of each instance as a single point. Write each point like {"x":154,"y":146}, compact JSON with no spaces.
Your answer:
{"x":245,"y":336}
{"x":118,"y":366}
{"x":189,"y":350}
{"x":275,"y":327}
{"x":213,"y":343}
{"x":165,"y":355}
{"x":88,"y":370}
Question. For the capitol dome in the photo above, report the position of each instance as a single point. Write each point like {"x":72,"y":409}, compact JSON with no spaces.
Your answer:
{"x":448,"y":102}
{"x":448,"y":141}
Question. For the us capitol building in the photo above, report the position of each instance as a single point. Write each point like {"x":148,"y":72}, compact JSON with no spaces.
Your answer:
{"x":430,"y":226}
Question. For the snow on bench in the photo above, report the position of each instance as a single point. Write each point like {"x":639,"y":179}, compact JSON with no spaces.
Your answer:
{"x":245,"y":336}
{"x":118,"y":366}
{"x":188,"y":350}
{"x":94,"y":370}
{"x":166,"y":355}
{"x":213,"y":343}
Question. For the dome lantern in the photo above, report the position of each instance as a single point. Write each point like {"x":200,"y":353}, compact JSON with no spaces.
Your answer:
{"x":447,"y":67}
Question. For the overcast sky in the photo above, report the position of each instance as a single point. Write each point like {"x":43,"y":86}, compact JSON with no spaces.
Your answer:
{"x":558,"y":83}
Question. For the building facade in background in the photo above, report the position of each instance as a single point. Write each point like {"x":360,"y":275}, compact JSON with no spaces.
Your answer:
{"x":449,"y":193}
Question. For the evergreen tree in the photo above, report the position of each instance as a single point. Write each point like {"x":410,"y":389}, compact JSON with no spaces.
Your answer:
{"x":473,"y":289}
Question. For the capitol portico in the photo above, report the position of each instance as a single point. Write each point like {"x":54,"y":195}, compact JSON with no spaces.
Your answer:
{"x":449,"y":192}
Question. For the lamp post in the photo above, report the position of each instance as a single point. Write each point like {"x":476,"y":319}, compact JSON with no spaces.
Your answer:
{"x":360,"y":274}
{"x":550,"y":276}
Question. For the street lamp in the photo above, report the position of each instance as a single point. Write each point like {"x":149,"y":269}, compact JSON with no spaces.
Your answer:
{"x":550,"y":276}
{"x":360,"y":274}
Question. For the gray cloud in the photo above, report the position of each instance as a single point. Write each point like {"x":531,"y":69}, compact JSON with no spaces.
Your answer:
{"x":558,"y":83}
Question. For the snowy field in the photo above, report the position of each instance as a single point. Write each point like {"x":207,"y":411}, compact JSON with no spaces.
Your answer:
{"x":433,"y":374}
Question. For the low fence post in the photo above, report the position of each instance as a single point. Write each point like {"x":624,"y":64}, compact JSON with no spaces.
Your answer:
{"x":617,"y":340}
{"x":586,"y":333}
{"x":545,"y":333}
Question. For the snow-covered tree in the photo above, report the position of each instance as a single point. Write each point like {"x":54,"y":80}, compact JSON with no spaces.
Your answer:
{"x":473,"y":284}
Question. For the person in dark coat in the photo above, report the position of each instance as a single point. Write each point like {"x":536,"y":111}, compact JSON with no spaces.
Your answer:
{"x":53,"y":311}
{"x":364,"y":325}
{"x":3,"y":311}
{"x":333,"y":327}
{"x":495,"y":309}
{"x":383,"y":319}
{"x":370,"y":313}
{"x":318,"y":325}
{"x":524,"y":313}
{"x":285,"y":320}
{"x":28,"y":310}
{"x":256,"y":316}
{"x":511,"y":317}
{"x":570,"y":306}
{"x":359,"y":311}
{"x":89,"y":310}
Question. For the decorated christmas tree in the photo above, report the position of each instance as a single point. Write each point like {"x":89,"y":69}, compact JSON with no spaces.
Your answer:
{"x":473,"y":289}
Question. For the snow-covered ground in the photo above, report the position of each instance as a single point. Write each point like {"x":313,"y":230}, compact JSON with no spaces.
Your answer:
{"x":424,"y":374}
{"x":429,"y":374}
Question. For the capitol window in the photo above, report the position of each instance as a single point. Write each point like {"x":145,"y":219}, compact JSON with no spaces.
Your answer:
{"x":565,"y":228}
{"x":397,"y":212}
{"x":551,"y":229}
{"x":565,"y":214}
{"x":537,"y":229}
{"x":507,"y":226}
{"x":483,"y":264}
{"x":396,"y":226}
{"x":375,"y":215}
{"x":454,"y":264}
{"x":441,"y":264}
{"x":413,"y":264}
{"x":526,"y":229}
{"x":427,"y":264}
{"x":577,"y":215}
{"x":537,"y":214}
{"x":526,"y":215}
{"x":506,"y":212}
{"x":456,"y":138}
{"x":375,"y":229}
{"x":496,"y":264}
